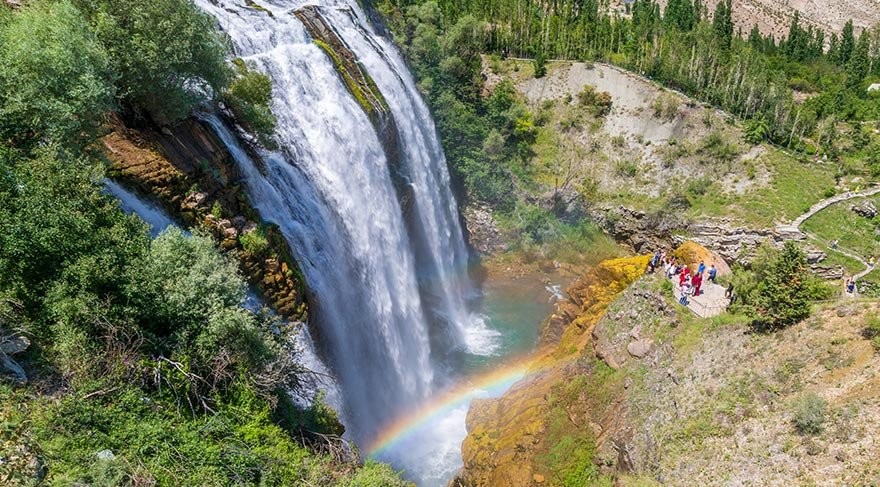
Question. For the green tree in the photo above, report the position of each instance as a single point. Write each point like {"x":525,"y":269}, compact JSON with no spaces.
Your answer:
{"x":859,"y":64}
{"x":722,"y":24}
{"x":847,"y":44}
{"x":249,"y":95}
{"x":540,"y":64}
{"x":679,"y":14}
{"x":166,"y":53}
{"x":782,"y":294}
{"x":55,"y":77}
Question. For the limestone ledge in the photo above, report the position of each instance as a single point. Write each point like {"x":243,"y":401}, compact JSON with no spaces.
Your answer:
{"x":188,"y":171}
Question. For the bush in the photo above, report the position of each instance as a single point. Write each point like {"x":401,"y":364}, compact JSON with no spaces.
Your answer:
{"x":808,"y":414}
{"x":597,"y":103}
{"x":166,"y":53}
{"x":626,"y":168}
{"x":872,"y":330}
{"x":756,"y":130}
{"x":55,"y":77}
{"x":666,"y":106}
{"x":249,"y":96}
{"x":717,"y":147}
{"x":254,"y":242}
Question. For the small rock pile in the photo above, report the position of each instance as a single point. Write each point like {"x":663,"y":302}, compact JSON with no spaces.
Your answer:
{"x":865,"y":209}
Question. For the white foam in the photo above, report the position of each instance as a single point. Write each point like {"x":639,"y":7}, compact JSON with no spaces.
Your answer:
{"x":480,"y":339}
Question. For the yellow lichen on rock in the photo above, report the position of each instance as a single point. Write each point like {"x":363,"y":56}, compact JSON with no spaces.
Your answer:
{"x":692,"y":253}
{"x":507,"y":434}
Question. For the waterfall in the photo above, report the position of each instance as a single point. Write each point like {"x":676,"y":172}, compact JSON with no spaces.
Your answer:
{"x":383,"y":284}
{"x":159,"y":221}
{"x":149,"y":212}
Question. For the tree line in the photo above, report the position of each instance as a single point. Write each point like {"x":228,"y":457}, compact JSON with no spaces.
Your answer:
{"x":690,"y":48}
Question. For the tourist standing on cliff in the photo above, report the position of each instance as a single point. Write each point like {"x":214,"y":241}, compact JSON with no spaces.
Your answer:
{"x":697,"y":281}
{"x":713,"y":273}
{"x":701,"y":269}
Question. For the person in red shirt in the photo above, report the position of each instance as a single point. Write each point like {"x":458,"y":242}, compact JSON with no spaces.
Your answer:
{"x":685,"y":273}
{"x":697,"y":281}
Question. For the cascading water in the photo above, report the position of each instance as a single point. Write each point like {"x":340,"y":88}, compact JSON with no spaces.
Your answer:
{"x":159,"y":221}
{"x":382,"y":283}
{"x":154,"y":216}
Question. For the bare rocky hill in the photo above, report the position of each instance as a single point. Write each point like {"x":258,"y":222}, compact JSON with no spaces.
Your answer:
{"x":774,"y":16}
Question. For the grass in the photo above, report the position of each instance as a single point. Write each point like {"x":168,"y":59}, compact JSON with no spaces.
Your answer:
{"x":793,"y":188}
{"x":854,"y":232}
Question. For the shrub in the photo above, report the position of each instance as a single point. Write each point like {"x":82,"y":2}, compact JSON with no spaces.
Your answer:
{"x":626,"y":168}
{"x":55,"y":77}
{"x":666,"y":106}
{"x":249,"y":97}
{"x":756,"y":130}
{"x":872,"y":330}
{"x":717,"y":147}
{"x":597,"y":103}
{"x":808,"y":414}
{"x":254,"y":242}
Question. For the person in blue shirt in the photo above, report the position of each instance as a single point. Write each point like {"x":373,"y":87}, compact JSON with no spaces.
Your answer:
{"x":712,"y":273}
{"x":701,"y":269}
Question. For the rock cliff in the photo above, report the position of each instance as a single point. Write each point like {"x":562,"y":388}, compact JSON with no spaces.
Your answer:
{"x":188,"y":170}
{"x":508,"y":436}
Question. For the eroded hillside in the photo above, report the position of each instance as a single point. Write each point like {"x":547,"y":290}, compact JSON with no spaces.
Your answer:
{"x":659,"y":396}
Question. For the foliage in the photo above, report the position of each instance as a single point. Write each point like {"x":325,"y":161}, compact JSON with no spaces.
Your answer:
{"x":808,"y":414}
{"x":374,"y":474}
{"x":596,"y":102}
{"x":254,"y":242}
{"x":872,"y":330}
{"x":540,"y":65}
{"x":777,"y":291}
{"x":756,"y":130}
{"x":166,"y":53}
{"x":666,"y":106}
{"x":686,"y":48}
{"x":56,"y":80}
{"x":249,"y":95}
{"x":157,"y":359}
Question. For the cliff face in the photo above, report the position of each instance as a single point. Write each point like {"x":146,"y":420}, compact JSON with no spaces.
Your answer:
{"x":188,"y":170}
{"x":513,"y":440}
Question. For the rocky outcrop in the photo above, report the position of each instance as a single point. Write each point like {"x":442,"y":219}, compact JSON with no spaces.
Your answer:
{"x":641,"y":231}
{"x":353,"y":74}
{"x":188,"y":170}
{"x":507,"y":435}
{"x":483,"y":232}
{"x":865,"y":209}
{"x":11,"y":344}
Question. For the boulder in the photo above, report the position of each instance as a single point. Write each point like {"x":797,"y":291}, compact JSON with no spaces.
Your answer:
{"x":865,"y":209}
{"x":11,"y":344}
{"x":639,"y":348}
{"x":692,"y":253}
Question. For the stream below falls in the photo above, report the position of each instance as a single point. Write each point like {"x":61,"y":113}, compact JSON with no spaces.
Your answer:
{"x":426,"y":443}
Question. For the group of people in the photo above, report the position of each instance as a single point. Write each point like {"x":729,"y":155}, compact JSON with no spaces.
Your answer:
{"x":690,"y":284}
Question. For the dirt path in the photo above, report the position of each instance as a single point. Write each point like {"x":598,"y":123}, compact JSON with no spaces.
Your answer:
{"x":849,"y":195}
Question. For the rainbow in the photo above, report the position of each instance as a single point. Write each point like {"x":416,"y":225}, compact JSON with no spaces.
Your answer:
{"x":499,"y":378}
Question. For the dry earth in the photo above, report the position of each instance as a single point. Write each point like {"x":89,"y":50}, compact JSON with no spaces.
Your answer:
{"x":651,"y":142}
